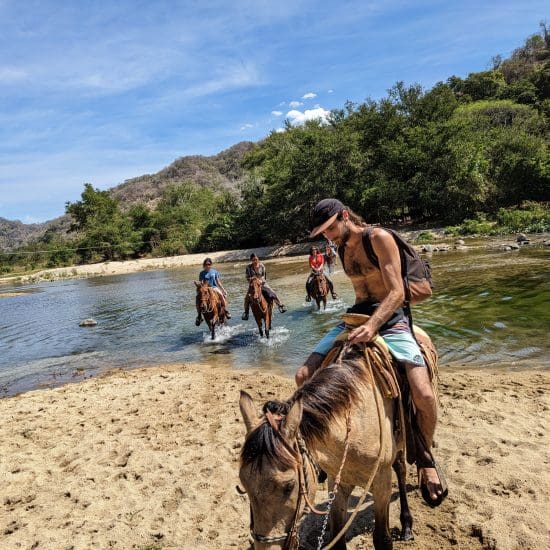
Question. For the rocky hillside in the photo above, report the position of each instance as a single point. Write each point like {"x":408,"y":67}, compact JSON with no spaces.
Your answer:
{"x":223,"y":169}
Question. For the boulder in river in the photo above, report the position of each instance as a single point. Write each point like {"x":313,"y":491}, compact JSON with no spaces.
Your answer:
{"x":87,"y":323}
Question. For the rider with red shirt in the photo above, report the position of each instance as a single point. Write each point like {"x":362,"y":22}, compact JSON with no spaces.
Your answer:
{"x":316,"y":263}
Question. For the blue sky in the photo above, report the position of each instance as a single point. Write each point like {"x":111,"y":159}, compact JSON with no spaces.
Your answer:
{"x":103,"y":91}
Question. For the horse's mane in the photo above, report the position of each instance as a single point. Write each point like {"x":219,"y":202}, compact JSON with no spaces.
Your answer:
{"x":327,"y":395}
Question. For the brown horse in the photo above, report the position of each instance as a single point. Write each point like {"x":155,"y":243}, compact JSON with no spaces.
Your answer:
{"x":210,"y":305}
{"x":342,"y":419}
{"x":320,"y":290}
{"x":262,"y":308}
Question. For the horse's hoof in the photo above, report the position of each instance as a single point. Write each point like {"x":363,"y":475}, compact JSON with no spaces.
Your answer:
{"x":407,"y":534}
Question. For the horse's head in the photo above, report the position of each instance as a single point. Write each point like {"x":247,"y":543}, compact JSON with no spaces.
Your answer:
{"x":320,"y":282}
{"x":204,"y":296}
{"x":275,"y":472}
{"x":255,"y":289}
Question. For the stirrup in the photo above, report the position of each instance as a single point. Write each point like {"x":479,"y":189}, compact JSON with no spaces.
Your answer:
{"x":244,"y":316}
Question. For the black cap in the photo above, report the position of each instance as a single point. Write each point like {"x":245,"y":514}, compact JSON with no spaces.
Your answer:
{"x":324,"y":213}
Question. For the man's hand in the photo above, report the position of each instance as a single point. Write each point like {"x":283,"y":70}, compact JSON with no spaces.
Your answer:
{"x":363,"y":333}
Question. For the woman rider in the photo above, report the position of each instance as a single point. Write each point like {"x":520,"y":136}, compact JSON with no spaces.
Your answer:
{"x":212,"y":277}
{"x":316,"y":263}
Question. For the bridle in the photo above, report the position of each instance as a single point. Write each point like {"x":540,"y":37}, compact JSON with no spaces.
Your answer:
{"x":257,"y":296}
{"x":304,"y":463}
{"x":207,"y":305}
{"x":320,"y":280}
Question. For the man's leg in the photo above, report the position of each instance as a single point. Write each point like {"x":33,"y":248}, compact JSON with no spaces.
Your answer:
{"x":426,"y":410}
{"x":198,"y":320}
{"x":246,"y":308}
{"x":311,"y":364}
{"x":315,"y":360}
{"x":270,"y":294}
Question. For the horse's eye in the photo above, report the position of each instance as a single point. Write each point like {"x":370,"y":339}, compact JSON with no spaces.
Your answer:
{"x":288,"y":487}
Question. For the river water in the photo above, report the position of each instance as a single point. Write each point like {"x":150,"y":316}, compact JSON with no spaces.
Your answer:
{"x":489,"y":309}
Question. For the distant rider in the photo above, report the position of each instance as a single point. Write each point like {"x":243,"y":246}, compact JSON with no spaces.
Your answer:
{"x":316,"y":263}
{"x":212,"y":277}
{"x":257,"y":269}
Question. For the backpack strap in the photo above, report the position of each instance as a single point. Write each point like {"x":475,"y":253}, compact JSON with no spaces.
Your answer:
{"x":371,"y":254}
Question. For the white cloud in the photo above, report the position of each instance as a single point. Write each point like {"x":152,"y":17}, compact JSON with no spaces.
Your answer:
{"x":294,"y":104}
{"x":246,"y":126}
{"x":309,"y":95}
{"x":297,"y":117}
{"x":9,"y":75}
{"x":330,"y":91}
{"x":276,"y":113}
{"x":279,"y":130}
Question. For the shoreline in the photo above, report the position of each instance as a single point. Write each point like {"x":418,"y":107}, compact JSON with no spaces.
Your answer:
{"x":441,"y":244}
{"x":148,"y":458}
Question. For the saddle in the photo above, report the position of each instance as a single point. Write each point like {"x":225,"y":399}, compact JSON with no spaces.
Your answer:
{"x":391,"y":380}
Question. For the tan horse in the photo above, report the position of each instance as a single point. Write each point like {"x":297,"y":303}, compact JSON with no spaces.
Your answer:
{"x":320,"y":290}
{"x":262,"y":308}
{"x":342,"y":421}
{"x":210,"y":305}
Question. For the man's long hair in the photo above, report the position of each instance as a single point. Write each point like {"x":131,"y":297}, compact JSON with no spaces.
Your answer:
{"x":353,"y":217}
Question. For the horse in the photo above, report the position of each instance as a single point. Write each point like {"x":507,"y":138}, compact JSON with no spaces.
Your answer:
{"x":341,"y":419}
{"x":320,"y":290}
{"x":210,"y":306}
{"x":262,"y":308}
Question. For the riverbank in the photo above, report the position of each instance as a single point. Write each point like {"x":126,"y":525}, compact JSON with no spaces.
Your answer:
{"x":441,"y":244}
{"x":148,"y":459}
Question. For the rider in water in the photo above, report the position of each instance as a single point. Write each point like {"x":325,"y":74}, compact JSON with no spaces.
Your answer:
{"x":257,"y":269}
{"x":212,"y":277}
{"x":316,"y":263}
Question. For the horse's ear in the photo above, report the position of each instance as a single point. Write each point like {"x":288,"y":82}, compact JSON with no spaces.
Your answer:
{"x":248,"y":410}
{"x":291,"y":422}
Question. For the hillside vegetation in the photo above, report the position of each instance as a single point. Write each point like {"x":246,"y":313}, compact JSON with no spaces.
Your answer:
{"x":470,"y":152}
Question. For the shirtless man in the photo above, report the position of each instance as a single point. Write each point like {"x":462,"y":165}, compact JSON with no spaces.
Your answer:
{"x":380,"y":293}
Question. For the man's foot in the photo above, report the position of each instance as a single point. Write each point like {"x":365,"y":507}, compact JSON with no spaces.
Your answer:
{"x":198,"y":321}
{"x":334,"y":296}
{"x":308,"y":298}
{"x":282,"y":308}
{"x":227,"y":314}
{"x":433,"y":485}
{"x":244,"y":316}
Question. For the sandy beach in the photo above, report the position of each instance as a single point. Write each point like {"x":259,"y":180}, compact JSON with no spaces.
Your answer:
{"x":148,"y":459}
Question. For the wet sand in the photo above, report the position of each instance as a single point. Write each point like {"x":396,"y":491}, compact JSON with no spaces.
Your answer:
{"x":148,"y":459}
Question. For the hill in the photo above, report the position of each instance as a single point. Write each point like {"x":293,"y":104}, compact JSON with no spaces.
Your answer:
{"x":221,"y":170}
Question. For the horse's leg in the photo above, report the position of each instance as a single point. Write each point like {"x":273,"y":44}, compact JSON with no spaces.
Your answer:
{"x":400,"y":469}
{"x":381,"y":492}
{"x":212,"y":328}
{"x":339,"y":513}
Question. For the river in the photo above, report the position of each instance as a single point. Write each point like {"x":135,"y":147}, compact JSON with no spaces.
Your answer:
{"x":490,"y":308}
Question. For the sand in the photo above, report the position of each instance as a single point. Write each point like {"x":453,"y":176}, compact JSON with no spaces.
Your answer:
{"x":148,"y":459}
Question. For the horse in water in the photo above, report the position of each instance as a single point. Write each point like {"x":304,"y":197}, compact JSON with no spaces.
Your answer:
{"x":262,"y":308}
{"x":344,"y":420}
{"x":319,"y":287}
{"x":210,"y":305}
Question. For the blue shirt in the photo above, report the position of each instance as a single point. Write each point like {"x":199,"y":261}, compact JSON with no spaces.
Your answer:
{"x":211,"y":276}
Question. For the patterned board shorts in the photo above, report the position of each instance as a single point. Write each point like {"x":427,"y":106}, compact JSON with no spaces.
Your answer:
{"x":399,"y":340}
